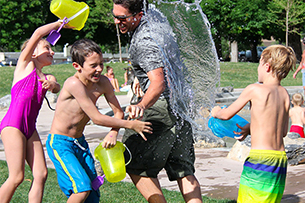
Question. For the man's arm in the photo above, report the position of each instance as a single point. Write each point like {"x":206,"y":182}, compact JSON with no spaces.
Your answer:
{"x":155,"y":89}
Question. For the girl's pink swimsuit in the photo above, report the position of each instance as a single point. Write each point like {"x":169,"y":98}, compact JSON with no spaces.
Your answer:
{"x":27,"y":97}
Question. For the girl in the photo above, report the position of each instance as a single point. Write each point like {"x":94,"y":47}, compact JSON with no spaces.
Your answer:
{"x":18,"y":128}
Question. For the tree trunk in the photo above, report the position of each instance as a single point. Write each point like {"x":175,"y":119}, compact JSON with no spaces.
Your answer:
{"x":119,"y":40}
{"x":295,"y":43}
{"x":254,"y":52}
{"x":234,"y":52}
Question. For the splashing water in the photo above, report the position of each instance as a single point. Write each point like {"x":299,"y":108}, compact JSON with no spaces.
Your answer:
{"x":191,"y":67}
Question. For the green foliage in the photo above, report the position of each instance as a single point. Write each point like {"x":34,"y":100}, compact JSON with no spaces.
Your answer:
{"x":18,"y":21}
{"x":20,"y":18}
{"x":288,"y":15}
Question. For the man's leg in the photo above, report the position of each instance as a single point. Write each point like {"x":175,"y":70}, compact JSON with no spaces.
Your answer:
{"x":149,"y":187}
{"x":190,"y":189}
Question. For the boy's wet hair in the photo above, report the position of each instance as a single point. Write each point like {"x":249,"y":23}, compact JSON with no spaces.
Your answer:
{"x":281,"y":59}
{"x":83,"y":48}
{"x":297,"y":99}
{"x":134,"y":6}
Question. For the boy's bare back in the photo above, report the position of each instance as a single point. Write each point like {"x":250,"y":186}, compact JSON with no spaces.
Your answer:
{"x":297,"y":115}
{"x":269,"y":116}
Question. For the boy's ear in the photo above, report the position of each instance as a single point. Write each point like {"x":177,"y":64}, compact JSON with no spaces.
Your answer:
{"x":268,"y":68}
{"x":76,"y":66}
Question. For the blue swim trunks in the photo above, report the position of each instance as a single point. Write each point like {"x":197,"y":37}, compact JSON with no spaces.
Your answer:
{"x":74,"y":165}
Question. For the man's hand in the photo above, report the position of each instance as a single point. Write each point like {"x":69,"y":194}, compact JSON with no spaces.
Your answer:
{"x":135,"y":111}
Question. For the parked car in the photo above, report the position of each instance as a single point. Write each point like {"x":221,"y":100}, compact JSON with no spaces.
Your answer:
{"x":244,"y":56}
{"x":10,"y":62}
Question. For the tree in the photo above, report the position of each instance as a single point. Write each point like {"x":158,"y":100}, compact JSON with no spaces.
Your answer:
{"x":20,"y":18}
{"x":18,"y":21}
{"x":219,"y":15}
{"x":244,"y":21}
{"x":288,"y":14}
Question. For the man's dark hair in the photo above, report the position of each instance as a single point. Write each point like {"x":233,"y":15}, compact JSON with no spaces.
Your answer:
{"x":134,"y":6}
{"x":83,"y":48}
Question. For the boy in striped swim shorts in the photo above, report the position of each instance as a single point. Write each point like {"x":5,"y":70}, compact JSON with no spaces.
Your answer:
{"x":264,"y":173}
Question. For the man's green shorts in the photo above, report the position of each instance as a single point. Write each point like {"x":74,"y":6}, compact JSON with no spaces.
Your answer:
{"x":170,"y":146}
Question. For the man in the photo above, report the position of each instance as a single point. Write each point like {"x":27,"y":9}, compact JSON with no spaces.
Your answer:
{"x":171,"y":145}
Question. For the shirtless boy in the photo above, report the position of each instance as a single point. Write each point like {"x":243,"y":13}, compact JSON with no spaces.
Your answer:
{"x":297,"y":115}
{"x":264,"y":174}
{"x":66,"y":144}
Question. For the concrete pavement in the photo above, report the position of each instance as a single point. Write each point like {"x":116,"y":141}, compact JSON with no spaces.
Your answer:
{"x":218,"y":175}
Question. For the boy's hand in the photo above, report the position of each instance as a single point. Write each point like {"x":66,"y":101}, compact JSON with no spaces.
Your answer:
{"x":141,"y":127}
{"x":110,"y":139}
{"x":215,"y":110}
{"x":245,"y":131}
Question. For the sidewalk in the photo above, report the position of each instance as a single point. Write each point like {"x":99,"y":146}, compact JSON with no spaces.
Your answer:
{"x":218,"y":175}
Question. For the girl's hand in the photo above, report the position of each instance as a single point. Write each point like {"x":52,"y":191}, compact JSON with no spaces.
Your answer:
{"x":48,"y":84}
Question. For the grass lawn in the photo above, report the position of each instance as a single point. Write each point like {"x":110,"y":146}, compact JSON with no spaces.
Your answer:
{"x":110,"y":192}
{"x":238,"y":75}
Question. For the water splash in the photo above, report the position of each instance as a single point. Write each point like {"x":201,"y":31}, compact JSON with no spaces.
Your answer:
{"x":193,"y":73}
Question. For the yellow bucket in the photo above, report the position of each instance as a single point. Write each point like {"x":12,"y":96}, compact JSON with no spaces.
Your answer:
{"x":76,"y":12}
{"x":112,"y":161}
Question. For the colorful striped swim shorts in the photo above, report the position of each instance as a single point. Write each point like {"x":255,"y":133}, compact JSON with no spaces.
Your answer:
{"x":263,"y":177}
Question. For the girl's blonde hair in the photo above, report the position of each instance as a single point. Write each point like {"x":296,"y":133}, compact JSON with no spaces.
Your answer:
{"x":281,"y":59}
{"x":27,"y":41}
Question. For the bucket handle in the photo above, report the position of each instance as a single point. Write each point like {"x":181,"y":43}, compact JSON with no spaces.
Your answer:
{"x":129,"y":154}
{"x":78,"y":13}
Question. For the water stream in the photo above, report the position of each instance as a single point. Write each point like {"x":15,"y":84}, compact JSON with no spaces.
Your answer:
{"x":192,"y":68}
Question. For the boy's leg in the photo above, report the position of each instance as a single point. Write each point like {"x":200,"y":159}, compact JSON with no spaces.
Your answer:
{"x":149,"y":187}
{"x":190,"y":189}
{"x":72,"y":176}
{"x":78,"y":197}
{"x":14,"y":146}
{"x":36,"y":160}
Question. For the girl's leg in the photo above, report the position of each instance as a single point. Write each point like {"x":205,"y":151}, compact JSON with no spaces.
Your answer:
{"x":36,"y":160}
{"x":14,"y":146}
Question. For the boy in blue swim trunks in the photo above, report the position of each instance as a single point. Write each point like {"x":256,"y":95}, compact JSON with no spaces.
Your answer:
{"x":66,"y":144}
{"x":264,"y":174}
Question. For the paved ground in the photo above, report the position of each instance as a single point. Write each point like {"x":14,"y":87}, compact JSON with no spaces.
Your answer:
{"x":218,"y":175}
